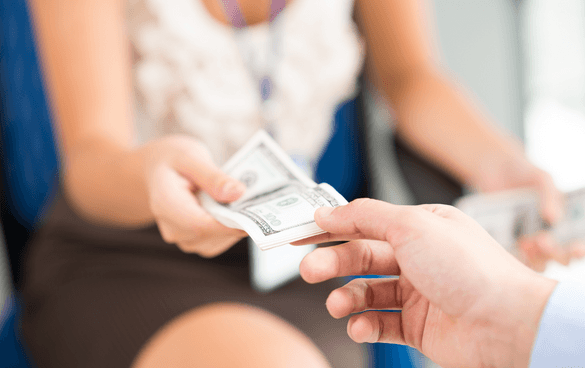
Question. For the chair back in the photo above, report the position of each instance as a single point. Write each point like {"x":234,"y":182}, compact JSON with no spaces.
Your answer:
{"x":28,"y":159}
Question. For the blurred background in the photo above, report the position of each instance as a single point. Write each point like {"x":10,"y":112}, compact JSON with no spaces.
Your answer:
{"x":523,"y":60}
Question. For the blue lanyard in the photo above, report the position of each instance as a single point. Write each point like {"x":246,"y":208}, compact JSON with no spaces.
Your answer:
{"x":266,"y":86}
{"x":234,"y":13}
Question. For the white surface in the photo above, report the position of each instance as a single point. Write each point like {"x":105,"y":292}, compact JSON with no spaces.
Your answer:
{"x":554,"y":50}
{"x":554,"y":141}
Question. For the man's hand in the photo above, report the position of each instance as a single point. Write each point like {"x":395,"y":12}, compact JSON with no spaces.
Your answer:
{"x":464,"y":301}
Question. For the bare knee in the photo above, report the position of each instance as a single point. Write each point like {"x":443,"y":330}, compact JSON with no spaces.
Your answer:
{"x":229,"y":335}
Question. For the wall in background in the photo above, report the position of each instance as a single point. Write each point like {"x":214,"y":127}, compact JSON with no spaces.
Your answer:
{"x":478,"y":41}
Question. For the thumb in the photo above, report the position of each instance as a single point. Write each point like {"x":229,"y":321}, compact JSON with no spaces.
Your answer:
{"x":204,"y":174}
{"x":370,"y":219}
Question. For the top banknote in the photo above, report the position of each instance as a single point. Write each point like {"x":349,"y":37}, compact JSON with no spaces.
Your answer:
{"x":280,"y":199}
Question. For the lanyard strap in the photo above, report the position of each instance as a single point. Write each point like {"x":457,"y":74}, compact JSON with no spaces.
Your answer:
{"x":236,"y":17}
{"x":234,"y":13}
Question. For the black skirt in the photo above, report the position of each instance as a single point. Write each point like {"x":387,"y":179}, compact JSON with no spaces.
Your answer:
{"x":94,"y":295}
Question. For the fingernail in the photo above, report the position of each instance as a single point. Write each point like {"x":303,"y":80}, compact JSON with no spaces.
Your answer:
{"x":324,"y":212}
{"x":231,"y":188}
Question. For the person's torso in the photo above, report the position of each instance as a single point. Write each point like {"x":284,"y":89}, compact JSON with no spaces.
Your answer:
{"x":195,"y":74}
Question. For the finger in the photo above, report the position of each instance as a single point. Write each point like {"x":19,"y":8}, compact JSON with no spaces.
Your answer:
{"x":437,"y":209}
{"x":577,"y":249}
{"x":370,"y":218}
{"x":186,"y":237}
{"x":541,"y":248}
{"x":549,"y":247}
{"x":208,"y":177}
{"x":531,"y":256}
{"x":173,"y":203}
{"x":364,"y":294}
{"x":376,"y":327}
{"x":209,"y":247}
{"x":552,"y":200}
{"x":359,"y":257}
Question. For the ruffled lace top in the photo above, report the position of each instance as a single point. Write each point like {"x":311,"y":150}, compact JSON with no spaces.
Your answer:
{"x":195,"y":75}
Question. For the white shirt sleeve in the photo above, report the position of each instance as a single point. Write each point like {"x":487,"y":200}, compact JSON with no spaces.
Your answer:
{"x":560,"y":341}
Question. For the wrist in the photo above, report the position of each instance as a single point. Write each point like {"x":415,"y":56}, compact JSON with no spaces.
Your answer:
{"x":530,"y":307}
{"x":104,"y":183}
{"x":503,"y":169}
{"x":520,"y":307}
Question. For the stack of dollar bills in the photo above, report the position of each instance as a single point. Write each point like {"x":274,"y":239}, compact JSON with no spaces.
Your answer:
{"x":509,"y":215}
{"x":280,"y":201}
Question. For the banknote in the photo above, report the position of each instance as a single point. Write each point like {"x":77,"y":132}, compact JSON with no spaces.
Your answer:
{"x":280,"y":200}
{"x":572,"y":226}
{"x":509,"y":215}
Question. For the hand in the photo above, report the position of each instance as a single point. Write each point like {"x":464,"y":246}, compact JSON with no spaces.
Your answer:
{"x":177,"y":169}
{"x":465,"y":301}
{"x":536,"y":250}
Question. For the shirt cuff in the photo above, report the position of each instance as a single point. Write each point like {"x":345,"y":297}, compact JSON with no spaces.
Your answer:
{"x":560,"y":341}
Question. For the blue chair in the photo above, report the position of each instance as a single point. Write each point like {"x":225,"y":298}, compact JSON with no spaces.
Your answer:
{"x":28,"y":161}
{"x":344,"y":165}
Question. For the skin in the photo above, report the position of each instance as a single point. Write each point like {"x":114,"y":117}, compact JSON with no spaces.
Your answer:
{"x":464,"y":300}
{"x":182,"y":343}
{"x":110,"y":181}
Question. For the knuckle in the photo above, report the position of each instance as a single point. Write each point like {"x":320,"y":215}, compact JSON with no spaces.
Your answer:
{"x":369,"y":297}
{"x":367,"y":259}
{"x":380,"y":324}
{"x":410,"y":212}
{"x":155,"y":205}
{"x":219,"y":179}
{"x":167,"y":234}
{"x":410,"y":221}
{"x":359,"y":203}
{"x":187,"y":247}
{"x":196,"y":150}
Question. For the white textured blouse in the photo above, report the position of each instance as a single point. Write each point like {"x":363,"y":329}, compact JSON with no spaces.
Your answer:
{"x":198,"y":76}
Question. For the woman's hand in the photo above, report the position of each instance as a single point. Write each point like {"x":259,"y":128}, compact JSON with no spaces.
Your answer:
{"x":464,"y":300}
{"x":176,"y":168}
{"x":536,"y":250}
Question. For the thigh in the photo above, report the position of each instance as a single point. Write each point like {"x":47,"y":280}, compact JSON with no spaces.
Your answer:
{"x":95,"y":296}
{"x":303,"y":305}
{"x":107,"y":321}
{"x":229,"y":335}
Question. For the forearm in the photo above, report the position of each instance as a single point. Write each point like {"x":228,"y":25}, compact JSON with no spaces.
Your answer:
{"x":440,"y":122}
{"x":86,"y":64}
{"x":106,"y":183}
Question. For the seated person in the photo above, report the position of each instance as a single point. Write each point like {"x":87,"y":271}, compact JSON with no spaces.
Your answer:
{"x":150,"y":98}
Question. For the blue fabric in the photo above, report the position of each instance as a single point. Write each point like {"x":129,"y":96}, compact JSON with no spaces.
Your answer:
{"x":342,"y":165}
{"x":395,"y":356}
{"x":28,"y":159}
{"x":12,"y":351}
{"x":561,"y":336}
{"x":342,"y":162}
{"x":27,"y":148}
